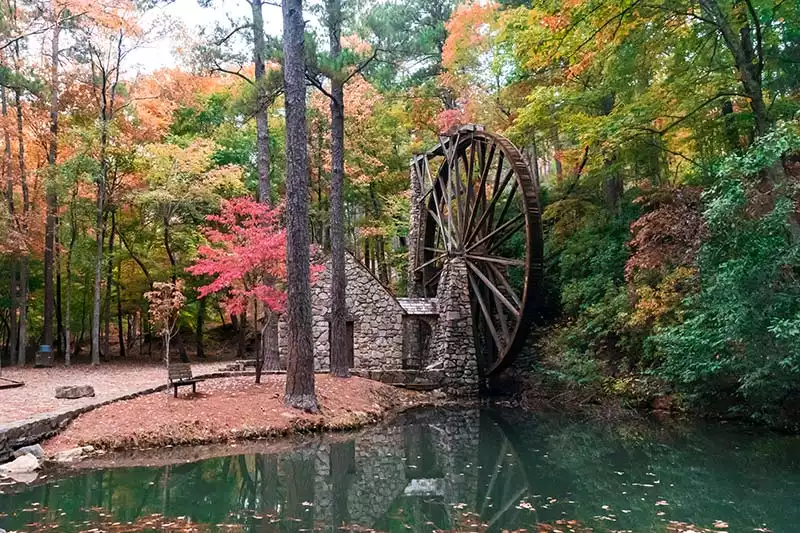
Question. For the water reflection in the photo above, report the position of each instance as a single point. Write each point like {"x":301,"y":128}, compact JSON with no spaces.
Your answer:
{"x":451,"y":471}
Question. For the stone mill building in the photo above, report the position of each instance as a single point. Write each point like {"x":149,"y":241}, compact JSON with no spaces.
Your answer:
{"x":475,"y":270}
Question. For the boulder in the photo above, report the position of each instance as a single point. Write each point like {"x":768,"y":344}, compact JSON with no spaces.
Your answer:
{"x":73,"y":454}
{"x":35,"y":450}
{"x":74,"y":391}
{"x":23,"y":464}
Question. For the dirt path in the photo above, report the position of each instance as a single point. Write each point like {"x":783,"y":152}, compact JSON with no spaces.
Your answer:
{"x":110,"y":381}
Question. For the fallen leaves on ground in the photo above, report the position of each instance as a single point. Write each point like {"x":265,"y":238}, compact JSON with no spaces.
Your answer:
{"x":231,"y":409}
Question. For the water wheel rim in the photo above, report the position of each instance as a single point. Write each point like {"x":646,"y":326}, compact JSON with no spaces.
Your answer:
{"x":453,"y":147}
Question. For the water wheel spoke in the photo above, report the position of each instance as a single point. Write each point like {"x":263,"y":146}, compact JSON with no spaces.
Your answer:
{"x":469,"y":192}
{"x":442,"y":228}
{"x":499,"y":275}
{"x":434,"y":278}
{"x":492,"y":287}
{"x":497,"y":231}
{"x":481,"y":196}
{"x":509,"y":198}
{"x":506,"y":236}
{"x":512,"y":501}
{"x":487,"y":317}
{"x":437,"y":250}
{"x":456,"y":199}
{"x":436,"y":202}
{"x":495,"y":474}
{"x":490,"y":208}
{"x":496,"y":259}
{"x":430,"y":262}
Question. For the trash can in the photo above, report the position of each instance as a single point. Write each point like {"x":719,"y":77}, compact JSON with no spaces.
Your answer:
{"x":44,"y":357}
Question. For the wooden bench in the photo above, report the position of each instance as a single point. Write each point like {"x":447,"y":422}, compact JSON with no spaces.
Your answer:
{"x":180,"y":375}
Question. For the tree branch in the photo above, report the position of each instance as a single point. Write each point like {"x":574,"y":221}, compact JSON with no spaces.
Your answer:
{"x":233,"y":32}
{"x":316,"y":83}
{"x":238,"y":74}
{"x":759,"y":38}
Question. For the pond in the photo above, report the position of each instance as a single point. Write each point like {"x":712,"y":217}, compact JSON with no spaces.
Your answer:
{"x":470,"y":470}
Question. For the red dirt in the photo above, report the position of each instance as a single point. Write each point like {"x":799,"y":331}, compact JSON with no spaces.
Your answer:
{"x":231,"y":409}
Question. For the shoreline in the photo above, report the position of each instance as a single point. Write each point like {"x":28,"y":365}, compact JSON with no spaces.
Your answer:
{"x":234,"y":411}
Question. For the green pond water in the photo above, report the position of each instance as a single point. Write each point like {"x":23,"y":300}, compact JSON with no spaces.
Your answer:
{"x":487,"y":470}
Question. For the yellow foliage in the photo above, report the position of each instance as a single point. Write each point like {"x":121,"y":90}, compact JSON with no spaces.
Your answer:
{"x":655,"y":305}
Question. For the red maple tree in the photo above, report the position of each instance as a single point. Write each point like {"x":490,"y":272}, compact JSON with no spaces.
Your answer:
{"x":246,"y":256}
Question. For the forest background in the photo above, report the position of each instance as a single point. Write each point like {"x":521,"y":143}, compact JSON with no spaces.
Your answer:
{"x":664,"y":134}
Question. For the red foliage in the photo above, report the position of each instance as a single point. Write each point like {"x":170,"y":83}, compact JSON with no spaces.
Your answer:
{"x":246,"y":255}
{"x":669,"y":235}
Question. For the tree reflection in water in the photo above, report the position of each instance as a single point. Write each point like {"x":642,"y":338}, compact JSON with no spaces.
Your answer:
{"x":462,"y":470}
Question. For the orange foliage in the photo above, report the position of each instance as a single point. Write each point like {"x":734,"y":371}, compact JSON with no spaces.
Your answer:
{"x":467,"y":31}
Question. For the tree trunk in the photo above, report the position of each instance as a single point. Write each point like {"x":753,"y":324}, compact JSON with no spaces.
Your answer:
{"x":749,"y":62}
{"x":13,"y":323}
{"x":99,"y":240}
{"x":50,"y":194}
{"x":109,"y":287}
{"x":300,"y":371}
{"x":343,"y":472}
{"x":174,"y":268}
{"x":262,"y":103}
{"x":555,"y":139}
{"x":339,"y":364}
{"x":22,"y":338}
{"x":107,"y":97}
{"x":241,"y":345}
{"x":201,"y":319}
{"x":120,"y":331}
{"x":383,"y":264}
{"x":613,"y":185}
{"x":59,"y":299}
{"x":23,"y":267}
{"x":80,"y":339}
{"x":269,"y":342}
{"x":73,"y":235}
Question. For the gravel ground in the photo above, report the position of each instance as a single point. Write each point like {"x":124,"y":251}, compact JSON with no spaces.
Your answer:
{"x":110,"y":381}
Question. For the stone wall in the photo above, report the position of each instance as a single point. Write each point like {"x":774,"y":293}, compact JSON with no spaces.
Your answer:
{"x":452,"y":347}
{"x":376,"y":315}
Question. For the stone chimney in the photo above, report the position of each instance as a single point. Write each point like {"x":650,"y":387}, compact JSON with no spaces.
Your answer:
{"x":416,"y":232}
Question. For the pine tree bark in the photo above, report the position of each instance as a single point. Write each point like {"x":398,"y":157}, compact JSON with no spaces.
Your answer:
{"x":13,"y":323}
{"x":269,"y":351}
{"x":22,"y":338}
{"x":339,"y":363}
{"x":300,"y":371}
{"x":50,"y":194}
{"x":262,"y":104}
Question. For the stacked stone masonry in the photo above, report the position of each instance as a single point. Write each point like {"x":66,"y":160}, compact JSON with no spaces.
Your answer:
{"x":452,"y":347}
{"x":376,"y":315}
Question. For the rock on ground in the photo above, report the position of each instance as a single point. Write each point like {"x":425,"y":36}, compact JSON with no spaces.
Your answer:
{"x":74,"y":391}
{"x":36,"y":450}
{"x":73,"y":454}
{"x":23,"y":464}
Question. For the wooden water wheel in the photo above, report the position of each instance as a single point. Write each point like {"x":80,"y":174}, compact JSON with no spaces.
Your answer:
{"x":482,"y":204}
